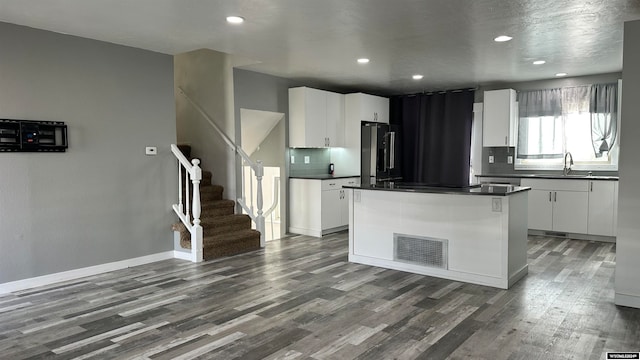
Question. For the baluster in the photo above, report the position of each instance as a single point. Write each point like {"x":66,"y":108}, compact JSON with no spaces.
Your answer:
{"x":187,"y":177}
{"x":251,"y":193}
{"x":180,"y":205}
{"x":196,"y":233}
{"x":260,"y":218}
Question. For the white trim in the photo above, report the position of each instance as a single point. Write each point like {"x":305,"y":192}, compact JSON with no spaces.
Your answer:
{"x":182,"y":255}
{"x":303,"y":231}
{"x":18,"y":285}
{"x":627,"y":300}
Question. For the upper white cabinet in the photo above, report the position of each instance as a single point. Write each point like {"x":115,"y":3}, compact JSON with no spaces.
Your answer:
{"x":500,"y":118}
{"x":603,"y":201}
{"x":365,"y":107}
{"x":316,"y":118}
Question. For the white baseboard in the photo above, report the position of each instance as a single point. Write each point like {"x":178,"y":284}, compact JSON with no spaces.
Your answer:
{"x":627,"y":300}
{"x":182,"y":255}
{"x":82,"y":272}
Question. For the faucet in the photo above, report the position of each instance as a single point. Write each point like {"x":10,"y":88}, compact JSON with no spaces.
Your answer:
{"x":567,"y":169}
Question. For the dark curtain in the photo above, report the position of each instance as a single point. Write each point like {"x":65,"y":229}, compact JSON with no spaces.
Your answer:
{"x":436,"y":136}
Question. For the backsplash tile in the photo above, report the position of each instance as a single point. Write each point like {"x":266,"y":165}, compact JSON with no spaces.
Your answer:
{"x":319,"y":160}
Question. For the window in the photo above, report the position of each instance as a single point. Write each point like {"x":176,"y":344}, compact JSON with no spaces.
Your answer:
{"x":581,"y":120}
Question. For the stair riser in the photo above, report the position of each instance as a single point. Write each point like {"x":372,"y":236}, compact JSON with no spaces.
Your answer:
{"x":239,"y":247}
{"x":215,"y":212}
{"x":221,"y":229}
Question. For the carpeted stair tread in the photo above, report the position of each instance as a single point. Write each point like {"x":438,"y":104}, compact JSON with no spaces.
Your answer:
{"x":217,"y":208}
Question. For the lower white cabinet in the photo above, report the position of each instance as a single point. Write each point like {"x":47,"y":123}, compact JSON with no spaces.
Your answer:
{"x":319,"y":207}
{"x":603,"y":203}
{"x":572,"y":206}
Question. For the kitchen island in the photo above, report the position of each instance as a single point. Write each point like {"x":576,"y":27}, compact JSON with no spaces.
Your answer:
{"x":476,"y":234}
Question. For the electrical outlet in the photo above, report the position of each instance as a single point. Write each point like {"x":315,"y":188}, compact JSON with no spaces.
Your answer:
{"x":510,"y":159}
{"x":293,"y":159}
{"x":491,"y":159}
{"x":356,"y":196}
{"x":496,"y":205}
{"x":307,"y":159}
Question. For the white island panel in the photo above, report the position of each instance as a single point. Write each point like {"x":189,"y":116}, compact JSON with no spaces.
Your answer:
{"x":478,"y":236}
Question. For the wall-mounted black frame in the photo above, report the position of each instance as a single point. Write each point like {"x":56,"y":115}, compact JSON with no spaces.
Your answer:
{"x":33,"y":136}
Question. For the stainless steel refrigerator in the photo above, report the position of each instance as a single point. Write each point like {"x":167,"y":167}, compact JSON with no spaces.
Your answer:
{"x":380,"y":153}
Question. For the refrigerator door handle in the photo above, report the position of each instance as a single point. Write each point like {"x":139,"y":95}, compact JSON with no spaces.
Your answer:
{"x":392,"y":149}
{"x":386,"y":151}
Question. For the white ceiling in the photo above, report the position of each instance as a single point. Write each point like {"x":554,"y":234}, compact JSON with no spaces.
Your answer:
{"x":450,"y":42}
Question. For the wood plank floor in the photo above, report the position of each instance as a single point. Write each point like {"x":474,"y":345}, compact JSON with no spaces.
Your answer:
{"x":300,"y":299}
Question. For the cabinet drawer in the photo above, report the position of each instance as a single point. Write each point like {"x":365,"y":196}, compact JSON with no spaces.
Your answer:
{"x":556,"y":185}
{"x":335,"y":184}
{"x":332,"y":184}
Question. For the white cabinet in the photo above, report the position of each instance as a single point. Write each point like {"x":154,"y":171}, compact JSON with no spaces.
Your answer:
{"x":500,"y":118}
{"x":319,"y":207}
{"x":316,"y":118}
{"x":365,"y":107}
{"x":602,"y":207}
{"x":558,"y":205}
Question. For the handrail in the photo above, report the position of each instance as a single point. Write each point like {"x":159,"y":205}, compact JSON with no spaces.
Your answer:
{"x":256,"y":166}
{"x":183,"y":160}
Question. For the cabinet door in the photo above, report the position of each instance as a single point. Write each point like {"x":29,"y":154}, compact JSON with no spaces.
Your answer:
{"x":315,"y":117}
{"x":344,"y":207}
{"x":601,"y":208}
{"x":498,"y":118}
{"x":381,"y":109}
{"x":540,"y":210}
{"x":331,"y":205}
{"x":335,"y":119}
{"x":570,"y":211}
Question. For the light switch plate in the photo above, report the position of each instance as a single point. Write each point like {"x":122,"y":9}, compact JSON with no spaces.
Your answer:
{"x":510,"y":159}
{"x":151,"y":150}
{"x":293,"y":159}
{"x":307,"y":159}
{"x":491,"y":159}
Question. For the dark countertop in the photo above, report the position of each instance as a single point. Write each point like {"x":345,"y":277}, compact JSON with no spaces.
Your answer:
{"x":551,"y":176}
{"x":492,"y":190}
{"x":323,"y":177}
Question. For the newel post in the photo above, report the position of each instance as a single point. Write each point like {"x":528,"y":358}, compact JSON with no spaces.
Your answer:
{"x":259,"y":202}
{"x":196,"y":233}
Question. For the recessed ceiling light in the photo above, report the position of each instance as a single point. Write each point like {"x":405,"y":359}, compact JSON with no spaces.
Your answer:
{"x":363,"y":61}
{"x":502,"y":38}
{"x":235,"y":19}
{"x":417,"y":77}
{"x":539,"y":62}
{"x":561,"y":74}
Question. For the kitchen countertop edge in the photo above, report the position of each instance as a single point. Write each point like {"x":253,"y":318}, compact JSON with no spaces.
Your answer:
{"x":554,"y":177}
{"x":440,"y":190}
{"x":324,"y":177}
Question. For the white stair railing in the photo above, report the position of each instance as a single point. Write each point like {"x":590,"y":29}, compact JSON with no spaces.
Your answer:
{"x":256,"y":216}
{"x":191,"y":174}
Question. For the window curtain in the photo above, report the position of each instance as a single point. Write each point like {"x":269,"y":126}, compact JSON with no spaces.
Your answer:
{"x":604,"y":117}
{"x":436,"y":141}
{"x":540,"y":112}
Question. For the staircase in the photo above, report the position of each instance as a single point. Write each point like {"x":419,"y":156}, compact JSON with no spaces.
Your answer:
{"x":224,"y":232}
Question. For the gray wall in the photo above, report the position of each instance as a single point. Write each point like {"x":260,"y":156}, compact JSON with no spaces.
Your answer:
{"x":103,"y":200}
{"x":628,"y":241}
